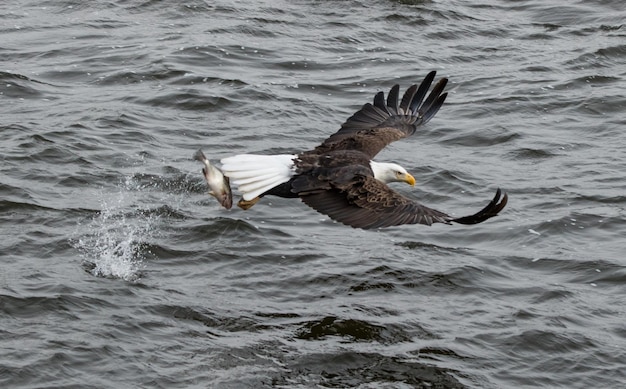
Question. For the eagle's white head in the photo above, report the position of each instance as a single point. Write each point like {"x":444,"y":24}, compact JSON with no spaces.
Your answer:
{"x":391,"y":172}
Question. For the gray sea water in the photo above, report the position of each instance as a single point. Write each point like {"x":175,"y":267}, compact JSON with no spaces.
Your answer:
{"x":118,"y":270}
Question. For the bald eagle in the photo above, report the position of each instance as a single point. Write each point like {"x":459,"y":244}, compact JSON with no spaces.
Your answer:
{"x":338,"y":178}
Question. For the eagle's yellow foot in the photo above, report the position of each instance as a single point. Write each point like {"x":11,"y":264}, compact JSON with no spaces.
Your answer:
{"x":246,"y":204}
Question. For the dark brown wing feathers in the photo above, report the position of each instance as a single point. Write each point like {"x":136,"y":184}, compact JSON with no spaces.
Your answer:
{"x":392,"y":97}
{"x":368,"y":203}
{"x":492,"y":209}
{"x":376,"y":125}
{"x":369,"y":210}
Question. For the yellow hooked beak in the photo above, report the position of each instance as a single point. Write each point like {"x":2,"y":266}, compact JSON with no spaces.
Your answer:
{"x":409,"y":179}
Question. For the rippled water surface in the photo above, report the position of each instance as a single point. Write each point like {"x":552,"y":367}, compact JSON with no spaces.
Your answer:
{"x":118,"y":270}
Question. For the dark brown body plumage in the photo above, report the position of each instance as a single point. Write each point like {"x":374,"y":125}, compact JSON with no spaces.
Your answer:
{"x":336,"y":179}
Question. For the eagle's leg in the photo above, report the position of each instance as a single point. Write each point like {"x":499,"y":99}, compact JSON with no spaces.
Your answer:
{"x":247,"y":204}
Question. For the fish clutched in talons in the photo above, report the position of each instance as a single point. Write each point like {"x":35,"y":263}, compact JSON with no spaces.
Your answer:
{"x":247,"y":204}
{"x":219,"y":184}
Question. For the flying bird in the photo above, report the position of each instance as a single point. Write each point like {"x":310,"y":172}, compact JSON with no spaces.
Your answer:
{"x":338,"y":178}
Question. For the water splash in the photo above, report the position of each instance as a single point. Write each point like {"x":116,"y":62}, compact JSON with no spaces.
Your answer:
{"x":113,"y":244}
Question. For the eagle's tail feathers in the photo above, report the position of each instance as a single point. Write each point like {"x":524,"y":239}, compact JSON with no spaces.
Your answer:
{"x":256,"y":174}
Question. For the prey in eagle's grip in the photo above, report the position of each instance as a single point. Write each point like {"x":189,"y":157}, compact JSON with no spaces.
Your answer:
{"x":219,"y":185}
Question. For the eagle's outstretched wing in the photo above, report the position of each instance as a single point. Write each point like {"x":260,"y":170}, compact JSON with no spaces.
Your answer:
{"x":368,"y":203}
{"x":376,"y":125}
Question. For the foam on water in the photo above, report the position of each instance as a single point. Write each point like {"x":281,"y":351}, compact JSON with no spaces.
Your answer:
{"x":112,"y":244}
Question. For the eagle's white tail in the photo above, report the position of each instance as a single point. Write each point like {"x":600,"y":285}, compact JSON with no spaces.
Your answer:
{"x":256,"y":174}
